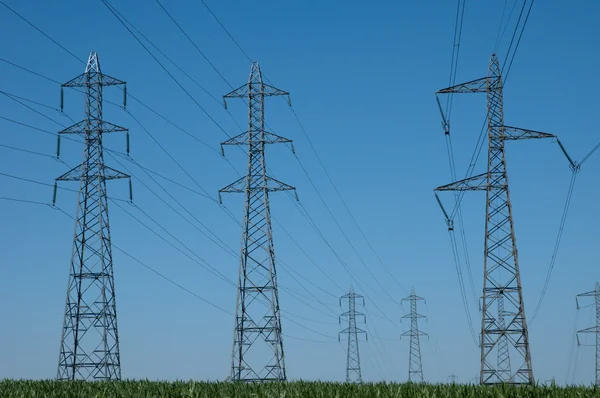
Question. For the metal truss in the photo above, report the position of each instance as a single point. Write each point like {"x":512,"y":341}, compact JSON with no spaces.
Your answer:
{"x":594,"y":329}
{"x":353,"y":372}
{"x":258,"y":354}
{"x":89,"y":348}
{"x":504,"y":327}
{"x":415,"y":367}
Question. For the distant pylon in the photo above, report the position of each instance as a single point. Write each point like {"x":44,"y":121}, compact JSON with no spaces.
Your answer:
{"x":258,"y":346}
{"x":415,"y":367}
{"x":594,"y":329}
{"x":353,"y":372}
{"x":89,"y":348}
{"x":502,"y":279}
{"x":503,"y":352}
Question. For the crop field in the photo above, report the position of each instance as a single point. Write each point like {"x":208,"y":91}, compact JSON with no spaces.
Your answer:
{"x":147,"y":389}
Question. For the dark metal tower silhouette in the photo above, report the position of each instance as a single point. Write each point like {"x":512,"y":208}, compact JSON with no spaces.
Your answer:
{"x":353,"y":373}
{"x":258,"y":345}
{"x":502,"y":280}
{"x":415,"y":367}
{"x":594,"y":329}
{"x":89,"y":348}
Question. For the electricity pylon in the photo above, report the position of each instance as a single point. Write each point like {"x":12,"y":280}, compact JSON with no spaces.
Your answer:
{"x":502,"y":280}
{"x":258,"y":346}
{"x":353,"y":373}
{"x":503,"y":352}
{"x":415,"y":367}
{"x":594,"y":329}
{"x":89,"y":348}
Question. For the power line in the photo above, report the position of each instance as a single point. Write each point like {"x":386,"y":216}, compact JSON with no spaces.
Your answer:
{"x":24,"y":201}
{"x":456,"y":41}
{"x":164,"y":68}
{"x":34,"y":110}
{"x":335,"y":188}
{"x":27,"y":151}
{"x":155,"y":271}
{"x":166,"y":71}
{"x":138,"y":120}
{"x":107,"y":101}
{"x":518,"y":41}
{"x":38,"y":103}
{"x":501,"y":32}
{"x":220,"y":243}
{"x":29,"y":71}
{"x":561,"y":227}
{"x":42,"y":32}
{"x":226,"y":31}
{"x":194,"y":44}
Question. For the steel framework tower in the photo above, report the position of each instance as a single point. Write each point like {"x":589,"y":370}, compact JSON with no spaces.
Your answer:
{"x":502,"y":281}
{"x":89,"y":348}
{"x":353,"y":373}
{"x":594,"y":329}
{"x":258,"y":346}
{"x":503,"y":352}
{"x":415,"y":367}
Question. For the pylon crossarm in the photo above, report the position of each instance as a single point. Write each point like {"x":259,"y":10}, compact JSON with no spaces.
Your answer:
{"x":351,"y":295}
{"x":240,"y":92}
{"x":409,"y":316}
{"x":517,"y":133}
{"x":474,"y":86}
{"x":112,"y":174}
{"x":238,"y":186}
{"x":72,"y":175}
{"x":588,"y":294}
{"x":475,"y":183}
{"x":270,"y":91}
{"x":267,"y":91}
{"x":414,"y":333}
{"x":80,"y":128}
{"x":593,"y":329}
{"x":268,"y":138}
{"x":348,"y":313}
{"x":274,"y":185}
{"x":82,"y":80}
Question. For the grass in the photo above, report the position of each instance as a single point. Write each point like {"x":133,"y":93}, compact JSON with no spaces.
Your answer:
{"x":148,"y":389}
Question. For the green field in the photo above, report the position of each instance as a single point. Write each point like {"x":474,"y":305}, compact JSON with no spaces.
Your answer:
{"x":134,"y":389}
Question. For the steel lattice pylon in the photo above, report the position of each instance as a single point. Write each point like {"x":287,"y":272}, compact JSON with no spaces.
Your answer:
{"x":594,"y":329}
{"x":502,"y":281}
{"x":90,"y":340}
{"x":415,"y":367}
{"x":503,"y":352}
{"x":353,"y":373}
{"x":258,"y":346}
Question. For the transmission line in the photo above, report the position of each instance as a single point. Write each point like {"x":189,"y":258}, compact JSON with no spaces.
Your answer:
{"x":331,"y":181}
{"x":519,"y":39}
{"x":108,"y":6}
{"x":42,"y":32}
{"x":164,"y":68}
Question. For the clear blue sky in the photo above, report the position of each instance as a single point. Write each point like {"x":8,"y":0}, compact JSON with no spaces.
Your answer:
{"x":362,"y":76}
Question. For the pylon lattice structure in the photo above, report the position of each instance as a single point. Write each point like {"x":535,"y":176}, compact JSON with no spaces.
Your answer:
{"x":353,"y":372}
{"x":415,"y":367}
{"x":594,"y":329}
{"x":502,"y":280}
{"x":89,"y":348}
{"x":503,"y":352}
{"x":258,"y":346}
